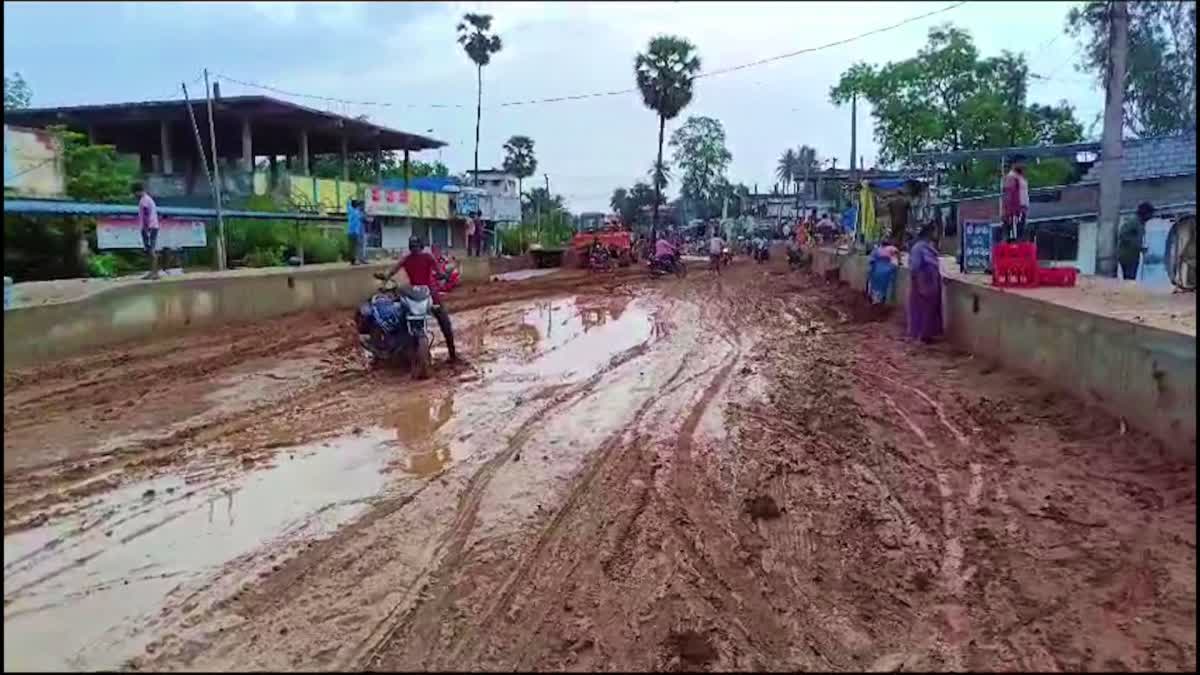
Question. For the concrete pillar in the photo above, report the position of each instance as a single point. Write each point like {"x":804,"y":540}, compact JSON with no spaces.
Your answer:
{"x":247,"y":146}
{"x":304,"y":152}
{"x":164,"y":138}
{"x":345,"y":158}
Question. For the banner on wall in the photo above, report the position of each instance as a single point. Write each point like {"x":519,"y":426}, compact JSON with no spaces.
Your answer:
{"x":174,"y":233}
{"x":383,"y":202}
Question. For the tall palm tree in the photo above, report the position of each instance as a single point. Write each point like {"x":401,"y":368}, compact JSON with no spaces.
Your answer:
{"x":659,"y":175}
{"x":519,"y":159}
{"x":474,"y":34}
{"x":665,"y":73}
{"x":806,"y":162}
{"x":785,"y":170}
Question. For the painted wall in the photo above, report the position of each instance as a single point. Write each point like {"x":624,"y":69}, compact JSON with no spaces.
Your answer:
{"x":32,"y":163}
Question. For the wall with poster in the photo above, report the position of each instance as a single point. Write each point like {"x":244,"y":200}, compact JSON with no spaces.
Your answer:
{"x":175,"y":233}
{"x":381,"y":201}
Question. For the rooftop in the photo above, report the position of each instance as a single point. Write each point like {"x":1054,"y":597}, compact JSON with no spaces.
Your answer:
{"x":276,"y":123}
{"x":1160,"y":157}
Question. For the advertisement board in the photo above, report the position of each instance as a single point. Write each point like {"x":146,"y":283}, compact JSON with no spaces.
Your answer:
{"x":118,"y":232}
{"x":384,"y":202}
{"x":977,"y":246}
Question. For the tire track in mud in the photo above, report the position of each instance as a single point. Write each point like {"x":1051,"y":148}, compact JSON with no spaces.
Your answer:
{"x":454,"y":541}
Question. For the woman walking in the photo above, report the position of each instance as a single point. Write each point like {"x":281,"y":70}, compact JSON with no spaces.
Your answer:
{"x":925,"y":293}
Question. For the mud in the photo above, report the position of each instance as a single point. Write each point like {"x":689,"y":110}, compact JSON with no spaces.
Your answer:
{"x":748,"y":472}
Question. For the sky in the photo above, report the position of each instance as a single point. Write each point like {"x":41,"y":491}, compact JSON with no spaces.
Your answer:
{"x":405,"y":55}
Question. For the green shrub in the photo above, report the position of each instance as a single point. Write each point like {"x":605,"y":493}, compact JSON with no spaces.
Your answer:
{"x":265,"y":257}
{"x":102,"y":266}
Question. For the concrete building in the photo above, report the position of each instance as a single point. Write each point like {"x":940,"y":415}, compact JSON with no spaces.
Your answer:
{"x":502,"y":203}
{"x":247,"y":128}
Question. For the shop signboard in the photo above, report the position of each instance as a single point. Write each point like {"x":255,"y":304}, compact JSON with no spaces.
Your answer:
{"x":381,"y":201}
{"x":173,"y":233}
{"x":976,"y":246}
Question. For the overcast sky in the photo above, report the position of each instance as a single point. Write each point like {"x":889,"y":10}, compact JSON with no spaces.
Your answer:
{"x":405,"y":54}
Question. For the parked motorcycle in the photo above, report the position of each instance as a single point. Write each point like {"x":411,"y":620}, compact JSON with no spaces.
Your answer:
{"x":672,"y":265}
{"x":393,"y":326}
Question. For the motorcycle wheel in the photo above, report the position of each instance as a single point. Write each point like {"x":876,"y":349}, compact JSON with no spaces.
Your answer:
{"x":422,"y":360}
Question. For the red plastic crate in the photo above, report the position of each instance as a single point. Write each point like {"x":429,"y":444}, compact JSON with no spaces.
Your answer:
{"x":1014,"y":274}
{"x":1021,"y":251}
{"x":1057,"y":276}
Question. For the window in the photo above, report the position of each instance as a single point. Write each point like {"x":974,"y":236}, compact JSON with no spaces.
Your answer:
{"x":1057,"y":240}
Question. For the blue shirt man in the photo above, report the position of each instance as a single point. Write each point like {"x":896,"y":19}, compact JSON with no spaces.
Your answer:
{"x":355,"y":218}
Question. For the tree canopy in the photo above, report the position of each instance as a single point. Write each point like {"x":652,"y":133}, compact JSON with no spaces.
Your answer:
{"x":701,"y":155}
{"x":17,"y":93}
{"x":948,"y":98}
{"x":519,"y":159}
{"x":1160,"y":80}
{"x":362,"y":167}
{"x":474,"y":34}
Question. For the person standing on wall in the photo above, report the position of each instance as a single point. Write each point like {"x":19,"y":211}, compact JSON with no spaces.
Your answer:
{"x":356,"y":230}
{"x":148,"y":219}
{"x":1130,"y":246}
{"x":472,"y":225}
{"x":1015,"y":201}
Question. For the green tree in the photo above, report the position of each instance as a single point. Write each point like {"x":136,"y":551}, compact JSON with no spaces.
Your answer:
{"x":474,"y":34}
{"x":362,"y":167}
{"x":16,"y":92}
{"x":1160,"y":80}
{"x":948,"y":98}
{"x":665,"y":74}
{"x":538,"y":200}
{"x":701,"y":154}
{"x":519,"y":159}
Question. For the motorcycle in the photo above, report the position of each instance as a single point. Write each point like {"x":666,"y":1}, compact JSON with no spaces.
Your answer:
{"x":726,"y":256}
{"x":762,"y":253}
{"x":599,"y":259}
{"x":393,"y":326}
{"x":447,"y":274}
{"x":673,"y":265}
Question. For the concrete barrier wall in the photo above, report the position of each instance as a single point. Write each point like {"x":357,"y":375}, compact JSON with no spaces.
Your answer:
{"x":172,"y":305}
{"x":1142,"y":374}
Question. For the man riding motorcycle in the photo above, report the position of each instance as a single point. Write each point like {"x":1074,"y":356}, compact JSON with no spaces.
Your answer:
{"x":421,"y":266}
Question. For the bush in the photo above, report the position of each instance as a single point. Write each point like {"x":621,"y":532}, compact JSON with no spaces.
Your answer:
{"x":322,"y":247}
{"x":265,"y":257}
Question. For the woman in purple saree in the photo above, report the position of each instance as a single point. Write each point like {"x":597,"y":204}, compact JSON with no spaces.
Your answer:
{"x":925,"y":294}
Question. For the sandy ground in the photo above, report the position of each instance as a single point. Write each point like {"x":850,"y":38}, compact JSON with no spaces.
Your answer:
{"x":698,"y":474}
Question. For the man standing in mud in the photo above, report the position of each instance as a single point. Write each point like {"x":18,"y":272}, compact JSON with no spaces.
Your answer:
{"x":420,"y":266}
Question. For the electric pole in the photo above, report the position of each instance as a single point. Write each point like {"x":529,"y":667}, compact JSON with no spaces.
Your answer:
{"x":853,"y":134}
{"x":1110,"y":143}
{"x":212,"y":137}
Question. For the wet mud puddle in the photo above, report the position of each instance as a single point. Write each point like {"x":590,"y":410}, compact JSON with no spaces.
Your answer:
{"x":81,"y":593}
{"x":92,"y":590}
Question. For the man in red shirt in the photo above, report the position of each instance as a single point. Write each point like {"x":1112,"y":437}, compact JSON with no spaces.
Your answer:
{"x":420,"y":266}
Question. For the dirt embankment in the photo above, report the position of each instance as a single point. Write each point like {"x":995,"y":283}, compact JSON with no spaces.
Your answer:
{"x":743,"y":473}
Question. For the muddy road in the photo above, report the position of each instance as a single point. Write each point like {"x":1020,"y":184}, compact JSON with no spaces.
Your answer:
{"x":733,"y":473}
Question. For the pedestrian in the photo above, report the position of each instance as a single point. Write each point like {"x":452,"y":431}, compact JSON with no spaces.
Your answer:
{"x":148,"y":219}
{"x":881,"y":272}
{"x":1015,"y":201}
{"x":471,"y":226}
{"x":715,"y":246}
{"x":925,"y":288}
{"x":1130,"y":240}
{"x":356,"y":231}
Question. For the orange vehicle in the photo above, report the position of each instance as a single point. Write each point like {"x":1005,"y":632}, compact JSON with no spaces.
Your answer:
{"x":611,"y":234}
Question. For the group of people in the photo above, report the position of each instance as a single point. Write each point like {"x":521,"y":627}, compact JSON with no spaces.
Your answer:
{"x":925,"y":282}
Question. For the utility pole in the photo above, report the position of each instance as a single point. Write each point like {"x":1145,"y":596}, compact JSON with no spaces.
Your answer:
{"x":547,"y":177}
{"x":853,"y":135}
{"x":212,"y":137}
{"x":1110,"y":143}
{"x":207,"y":174}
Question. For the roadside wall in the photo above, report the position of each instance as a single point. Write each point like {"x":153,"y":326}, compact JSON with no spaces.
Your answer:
{"x":172,"y":305}
{"x":1142,"y":374}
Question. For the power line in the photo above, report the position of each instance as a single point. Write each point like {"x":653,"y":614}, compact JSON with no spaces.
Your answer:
{"x":617,"y":92}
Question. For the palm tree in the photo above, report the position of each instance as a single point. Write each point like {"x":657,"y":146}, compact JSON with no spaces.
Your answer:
{"x":479,"y":44}
{"x":665,"y":73}
{"x":786,"y":169}
{"x":659,"y":175}
{"x":519,"y":159}
{"x":806,"y":161}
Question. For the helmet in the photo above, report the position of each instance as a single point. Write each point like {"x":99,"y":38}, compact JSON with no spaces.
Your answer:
{"x":415,"y":244}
